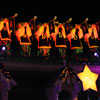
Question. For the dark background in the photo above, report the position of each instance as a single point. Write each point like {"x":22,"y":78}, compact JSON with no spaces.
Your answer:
{"x":44,"y":14}
{"x":33,"y":84}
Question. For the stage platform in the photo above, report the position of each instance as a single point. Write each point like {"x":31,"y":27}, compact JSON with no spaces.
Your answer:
{"x":45,"y":66}
{"x":34,"y":77}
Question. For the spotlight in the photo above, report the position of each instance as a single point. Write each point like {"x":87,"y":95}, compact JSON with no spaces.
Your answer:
{"x":96,"y":54}
{"x":3,"y":48}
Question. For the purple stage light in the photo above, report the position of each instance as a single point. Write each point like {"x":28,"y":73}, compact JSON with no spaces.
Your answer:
{"x":96,"y":54}
{"x":3,"y":48}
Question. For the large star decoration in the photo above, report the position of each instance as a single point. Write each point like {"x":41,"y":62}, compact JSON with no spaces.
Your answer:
{"x":88,"y":79}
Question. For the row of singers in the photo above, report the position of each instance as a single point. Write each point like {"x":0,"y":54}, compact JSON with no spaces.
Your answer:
{"x":45,"y":31}
{"x":44,"y":34}
{"x":59,"y":33}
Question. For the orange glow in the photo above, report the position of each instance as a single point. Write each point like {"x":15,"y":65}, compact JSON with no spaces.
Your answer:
{"x":28,"y":30}
{"x":40,"y":31}
{"x":88,"y":79}
{"x":21,"y":33}
{"x":5,"y":21}
{"x":25,"y":43}
{"x":92,"y":46}
{"x":44,"y":47}
{"x":69,"y":38}
{"x":80,"y":33}
{"x":86,"y":37}
{"x":63,"y":34}
{"x":76,"y":48}
{"x":94,"y":31}
{"x":1,"y":25}
{"x":46,"y":34}
{"x":91,"y":35}
{"x":63,"y":30}
{"x":53,"y":35}
{"x":6,"y":39}
{"x":61,"y":46}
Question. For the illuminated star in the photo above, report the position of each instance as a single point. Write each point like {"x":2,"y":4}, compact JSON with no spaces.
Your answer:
{"x":88,"y":79}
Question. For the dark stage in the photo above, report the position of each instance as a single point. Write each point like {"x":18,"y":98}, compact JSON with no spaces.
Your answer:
{"x":36,"y":75}
{"x":33,"y":79}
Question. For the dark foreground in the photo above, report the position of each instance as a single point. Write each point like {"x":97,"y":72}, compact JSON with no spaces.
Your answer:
{"x":31,"y":85}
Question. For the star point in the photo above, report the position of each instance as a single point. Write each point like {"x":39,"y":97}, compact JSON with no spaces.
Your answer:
{"x":88,"y":79}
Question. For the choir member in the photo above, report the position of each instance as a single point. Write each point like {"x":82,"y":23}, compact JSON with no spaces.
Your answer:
{"x":5,"y":35}
{"x":23,"y":34}
{"x":42,"y":35}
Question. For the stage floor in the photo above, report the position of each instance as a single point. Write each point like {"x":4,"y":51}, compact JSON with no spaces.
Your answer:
{"x":46,"y":67}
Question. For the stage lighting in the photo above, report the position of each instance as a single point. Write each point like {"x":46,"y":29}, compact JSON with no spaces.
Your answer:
{"x":3,"y":48}
{"x":96,"y":54}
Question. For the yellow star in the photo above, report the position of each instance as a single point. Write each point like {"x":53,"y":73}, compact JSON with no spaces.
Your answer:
{"x":88,"y":79}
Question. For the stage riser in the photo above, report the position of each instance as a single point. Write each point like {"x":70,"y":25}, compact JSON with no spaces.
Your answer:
{"x":45,"y":67}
